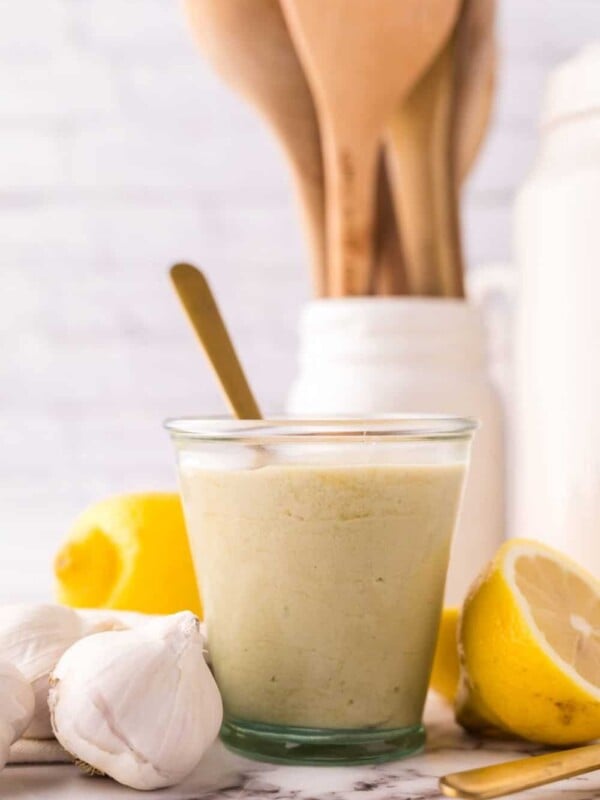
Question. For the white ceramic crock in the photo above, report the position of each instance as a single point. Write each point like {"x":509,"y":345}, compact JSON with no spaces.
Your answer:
{"x":412,"y":355}
{"x":557,"y":341}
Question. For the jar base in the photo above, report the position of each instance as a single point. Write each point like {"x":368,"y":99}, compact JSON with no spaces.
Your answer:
{"x":284,"y":744}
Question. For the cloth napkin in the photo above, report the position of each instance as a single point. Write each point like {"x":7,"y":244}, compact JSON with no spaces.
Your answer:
{"x":38,"y":751}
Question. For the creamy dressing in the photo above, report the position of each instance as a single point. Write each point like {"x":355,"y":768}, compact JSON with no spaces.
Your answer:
{"x":322,"y":587}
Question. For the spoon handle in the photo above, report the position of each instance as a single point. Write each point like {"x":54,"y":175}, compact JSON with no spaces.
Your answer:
{"x":409,"y":155}
{"x":350,"y":181}
{"x":523,"y":773}
{"x":389,"y":276}
{"x":445,"y":187}
{"x":203,"y":313}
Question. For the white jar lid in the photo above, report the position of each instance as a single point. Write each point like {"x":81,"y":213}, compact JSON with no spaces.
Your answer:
{"x":573,"y":87}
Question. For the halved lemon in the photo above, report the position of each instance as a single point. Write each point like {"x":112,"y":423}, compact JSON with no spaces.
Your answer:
{"x":529,"y":644}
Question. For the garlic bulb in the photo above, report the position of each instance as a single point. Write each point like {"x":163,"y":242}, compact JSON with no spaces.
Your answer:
{"x":140,"y":705}
{"x":33,"y":638}
{"x":16,"y":707}
{"x":118,"y":618}
{"x":114,"y":619}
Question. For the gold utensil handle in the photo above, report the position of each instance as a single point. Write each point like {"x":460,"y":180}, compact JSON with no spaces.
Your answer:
{"x":200,"y":306}
{"x":523,"y":773}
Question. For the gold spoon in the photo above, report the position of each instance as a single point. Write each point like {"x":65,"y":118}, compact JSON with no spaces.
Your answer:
{"x":203,"y":313}
{"x":523,"y":773}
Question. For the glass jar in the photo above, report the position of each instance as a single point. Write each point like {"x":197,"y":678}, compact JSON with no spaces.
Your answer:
{"x":321,"y":550}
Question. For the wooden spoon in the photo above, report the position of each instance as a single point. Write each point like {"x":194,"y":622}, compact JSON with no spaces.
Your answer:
{"x":473,"y":72}
{"x":446,"y":209}
{"x":475,"y":80}
{"x":203,"y":313}
{"x":417,"y":149}
{"x":434,"y":138}
{"x":360,"y":60}
{"x":389,"y":273}
{"x":414,"y":132}
{"x":249,"y":45}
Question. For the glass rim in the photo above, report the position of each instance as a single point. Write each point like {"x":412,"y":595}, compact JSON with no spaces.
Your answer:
{"x":339,"y":429}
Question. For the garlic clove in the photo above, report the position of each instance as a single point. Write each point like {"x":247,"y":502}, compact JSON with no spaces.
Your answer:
{"x":33,"y":638}
{"x":16,"y":707}
{"x":140,"y":705}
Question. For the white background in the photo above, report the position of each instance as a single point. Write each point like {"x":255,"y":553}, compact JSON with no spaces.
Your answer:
{"x":120,"y":153}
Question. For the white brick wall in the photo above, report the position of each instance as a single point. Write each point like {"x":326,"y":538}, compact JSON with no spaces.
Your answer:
{"x":120,"y":153}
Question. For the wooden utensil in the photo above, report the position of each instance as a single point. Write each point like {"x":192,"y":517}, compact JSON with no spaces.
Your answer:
{"x":418,"y":148}
{"x":389,"y":273}
{"x":475,"y":17}
{"x":203,"y":313}
{"x":446,"y":208}
{"x":423,"y":169}
{"x":360,"y":60}
{"x":434,"y":138}
{"x":475,"y":80}
{"x":249,"y":45}
{"x":523,"y":773}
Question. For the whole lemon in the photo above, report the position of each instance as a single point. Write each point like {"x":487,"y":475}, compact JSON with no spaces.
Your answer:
{"x":129,"y":552}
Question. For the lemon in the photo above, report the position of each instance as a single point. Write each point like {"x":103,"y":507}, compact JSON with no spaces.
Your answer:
{"x":530,"y":648}
{"x":445,"y":670}
{"x":129,"y":552}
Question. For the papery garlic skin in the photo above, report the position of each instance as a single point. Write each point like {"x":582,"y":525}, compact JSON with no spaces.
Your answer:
{"x":140,"y":705}
{"x":33,"y":637}
{"x":16,"y":707}
{"x":115,"y":619}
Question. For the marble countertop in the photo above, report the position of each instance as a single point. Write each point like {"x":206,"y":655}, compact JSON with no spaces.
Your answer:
{"x":228,"y":777}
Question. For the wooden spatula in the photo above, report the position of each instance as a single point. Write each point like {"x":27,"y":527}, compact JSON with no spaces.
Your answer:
{"x":204,"y":315}
{"x":248,"y":43}
{"x":360,"y":58}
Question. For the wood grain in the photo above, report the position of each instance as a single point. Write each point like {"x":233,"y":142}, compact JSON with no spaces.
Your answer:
{"x":419,"y":150}
{"x":249,"y":45}
{"x":359,"y":64}
{"x":476,"y":62}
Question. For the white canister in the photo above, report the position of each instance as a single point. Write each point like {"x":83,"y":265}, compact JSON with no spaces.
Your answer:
{"x":412,"y":355}
{"x":557,"y":342}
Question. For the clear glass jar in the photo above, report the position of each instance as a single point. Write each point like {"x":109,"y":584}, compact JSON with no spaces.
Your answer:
{"x":321,"y":549}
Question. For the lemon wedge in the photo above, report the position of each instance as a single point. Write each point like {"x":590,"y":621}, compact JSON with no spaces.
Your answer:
{"x":529,"y":643}
{"x":445,"y":670}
